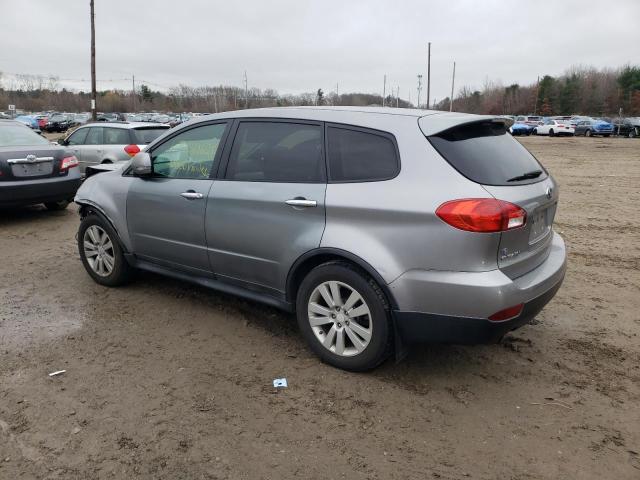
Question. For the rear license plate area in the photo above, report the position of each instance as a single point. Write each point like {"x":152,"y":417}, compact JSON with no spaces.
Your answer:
{"x":540,"y":225}
{"x":32,"y":169}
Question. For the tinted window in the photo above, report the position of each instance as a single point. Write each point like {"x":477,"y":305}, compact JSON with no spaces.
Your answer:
{"x":277,"y":152}
{"x":116,"y":136}
{"x":147,"y":135}
{"x":17,"y":135}
{"x":189,"y":154}
{"x":484,"y":153}
{"x":78,"y":137}
{"x":94,"y":137}
{"x":356,"y":156}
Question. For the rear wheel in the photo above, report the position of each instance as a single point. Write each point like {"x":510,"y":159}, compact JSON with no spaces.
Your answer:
{"x":632,"y":133}
{"x":101,"y":253}
{"x":551,"y":133}
{"x":344,"y":317}
{"x":535,"y":131}
{"x":587,"y":133}
{"x":57,"y":206}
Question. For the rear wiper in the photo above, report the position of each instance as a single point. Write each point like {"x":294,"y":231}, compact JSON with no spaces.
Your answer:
{"x":526,"y":176}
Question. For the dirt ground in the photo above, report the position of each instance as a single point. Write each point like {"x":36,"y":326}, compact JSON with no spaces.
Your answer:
{"x":165,"y":380}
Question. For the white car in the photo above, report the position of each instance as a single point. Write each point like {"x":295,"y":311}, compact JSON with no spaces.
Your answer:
{"x":554,"y":127}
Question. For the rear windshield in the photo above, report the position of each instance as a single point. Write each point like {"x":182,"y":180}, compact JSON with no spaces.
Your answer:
{"x":147,"y":135}
{"x":485,"y":153}
{"x":18,"y":136}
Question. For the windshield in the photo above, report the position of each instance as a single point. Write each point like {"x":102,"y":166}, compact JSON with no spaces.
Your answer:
{"x":18,"y":136}
{"x":484,"y":153}
{"x":148,"y":135}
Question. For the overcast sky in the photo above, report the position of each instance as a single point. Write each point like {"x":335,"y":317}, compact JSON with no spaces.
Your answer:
{"x":298,"y":46}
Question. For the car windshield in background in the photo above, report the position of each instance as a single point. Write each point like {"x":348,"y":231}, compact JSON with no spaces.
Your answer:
{"x":19,"y":136}
{"x":147,"y":135}
{"x":484,"y":153}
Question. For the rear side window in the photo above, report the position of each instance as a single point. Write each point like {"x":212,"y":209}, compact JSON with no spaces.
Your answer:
{"x":359,"y":156}
{"x":484,"y":153}
{"x":145,"y":136}
{"x":116,"y":136}
{"x":277,"y":152}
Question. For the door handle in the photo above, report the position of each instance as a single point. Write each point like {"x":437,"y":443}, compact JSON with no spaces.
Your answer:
{"x":191,"y":195}
{"x":301,"y":202}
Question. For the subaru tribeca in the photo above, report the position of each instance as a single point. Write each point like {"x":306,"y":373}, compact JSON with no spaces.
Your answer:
{"x":377,"y":227}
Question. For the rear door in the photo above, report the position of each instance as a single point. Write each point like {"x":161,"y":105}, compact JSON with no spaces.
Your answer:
{"x":269,"y":206}
{"x":485,"y":154}
{"x":165,"y":213}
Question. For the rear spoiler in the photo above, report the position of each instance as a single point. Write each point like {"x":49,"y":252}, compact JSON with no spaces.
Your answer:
{"x":434,"y":124}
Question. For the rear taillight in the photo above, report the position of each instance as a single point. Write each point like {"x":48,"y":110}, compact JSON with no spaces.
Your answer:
{"x":132,"y":150}
{"x":507,"y":313}
{"x":68,"y":162}
{"x":483,"y":215}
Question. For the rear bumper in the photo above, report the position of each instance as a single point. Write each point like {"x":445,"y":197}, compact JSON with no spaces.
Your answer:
{"x":30,"y":192}
{"x":453,"y":307}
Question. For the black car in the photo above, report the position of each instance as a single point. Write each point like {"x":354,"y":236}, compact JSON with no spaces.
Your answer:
{"x":628,"y":127}
{"x":57,"y":123}
{"x":32,"y":170}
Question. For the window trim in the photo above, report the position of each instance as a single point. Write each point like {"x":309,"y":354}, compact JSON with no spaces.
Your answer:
{"x":371,"y":131}
{"x":216,"y":158}
{"x":224,"y":167}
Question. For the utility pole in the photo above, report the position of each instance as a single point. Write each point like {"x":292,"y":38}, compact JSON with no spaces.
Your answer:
{"x":398,"y":96}
{"x":94,"y":115}
{"x":133,"y":92}
{"x":428,"y":75}
{"x":337,"y":93}
{"x":246,"y":91}
{"x":535,"y":105}
{"x":419,"y":88}
{"x":453,"y":81}
{"x":384,"y":89}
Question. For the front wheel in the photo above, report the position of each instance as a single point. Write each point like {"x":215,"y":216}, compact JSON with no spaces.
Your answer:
{"x":587,"y":133}
{"x":551,"y":133}
{"x":535,"y":131}
{"x":344,"y":317}
{"x":101,"y":253}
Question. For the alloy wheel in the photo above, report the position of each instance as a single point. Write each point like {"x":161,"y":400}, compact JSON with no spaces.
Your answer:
{"x":340,"y":318}
{"x":98,"y":250}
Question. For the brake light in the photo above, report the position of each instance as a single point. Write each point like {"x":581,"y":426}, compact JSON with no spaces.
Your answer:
{"x":68,"y":162}
{"x":507,"y":313}
{"x":132,"y":150}
{"x":485,"y":215}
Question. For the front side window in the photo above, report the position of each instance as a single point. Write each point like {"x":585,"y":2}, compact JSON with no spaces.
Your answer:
{"x":358,"y":156}
{"x":78,"y":137}
{"x":94,"y":137}
{"x":190,"y":154}
{"x":116,"y":136}
{"x":277,"y":152}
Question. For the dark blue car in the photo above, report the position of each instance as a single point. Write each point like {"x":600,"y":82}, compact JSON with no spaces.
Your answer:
{"x":520,"y":129}
{"x":590,"y":128}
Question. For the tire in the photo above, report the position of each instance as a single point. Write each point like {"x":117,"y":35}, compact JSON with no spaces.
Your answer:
{"x":606,"y":135}
{"x":105,"y":252}
{"x":587,"y":133}
{"x":633,"y":133}
{"x":57,"y":206}
{"x":364,"y":347}
{"x":551,"y":133}
{"x":535,"y":131}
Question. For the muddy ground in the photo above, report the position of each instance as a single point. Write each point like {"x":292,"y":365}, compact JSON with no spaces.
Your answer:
{"x":165,"y":380}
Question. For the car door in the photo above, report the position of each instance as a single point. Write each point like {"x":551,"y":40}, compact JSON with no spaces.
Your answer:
{"x":165,"y":212}
{"x":75,"y":143}
{"x":92,"y":149}
{"x":268,"y":207}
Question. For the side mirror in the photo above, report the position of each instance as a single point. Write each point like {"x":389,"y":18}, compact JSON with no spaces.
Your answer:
{"x":141,"y":165}
{"x":63,"y":142}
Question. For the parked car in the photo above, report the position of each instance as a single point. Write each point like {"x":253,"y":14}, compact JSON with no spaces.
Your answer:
{"x":29,"y":121}
{"x":532,"y":120}
{"x":375,"y":229}
{"x":590,"y":128}
{"x":520,"y":129}
{"x":553,"y":127}
{"x":57,"y":123}
{"x":110,"y":142}
{"x":33,"y":171}
{"x":627,"y":127}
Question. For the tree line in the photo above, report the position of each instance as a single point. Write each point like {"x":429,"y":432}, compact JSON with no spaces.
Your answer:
{"x":581,"y":90}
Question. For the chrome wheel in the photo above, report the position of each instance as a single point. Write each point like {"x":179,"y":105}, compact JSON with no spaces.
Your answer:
{"x":340,"y":318}
{"x":98,"y":250}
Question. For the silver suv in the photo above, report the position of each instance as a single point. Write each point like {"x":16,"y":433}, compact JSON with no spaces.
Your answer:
{"x":110,"y":142}
{"x":378,"y":227}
